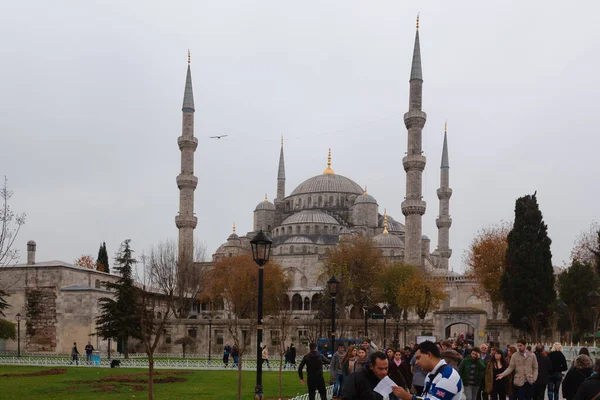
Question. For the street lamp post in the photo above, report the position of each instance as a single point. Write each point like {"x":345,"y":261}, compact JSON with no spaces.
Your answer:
{"x":333,"y":284}
{"x":18,"y":334}
{"x":365,"y":307}
{"x":261,"y":251}
{"x":405,"y":317}
{"x":385,"y":310}
{"x":397,"y":340}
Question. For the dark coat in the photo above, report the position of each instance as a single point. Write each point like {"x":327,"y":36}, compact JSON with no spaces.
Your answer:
{"x":399,"y":374}
{"x":588,"y":389}
{"x":314,"y":365}
{"x":544,"y":368}
{"x":573,"y":379}
{"x":464,"y":369}
{"x":559,"y":362}
{"x":359,"y":386}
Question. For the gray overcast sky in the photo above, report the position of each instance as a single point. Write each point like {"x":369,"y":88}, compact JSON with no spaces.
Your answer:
{"x":91,"y":93}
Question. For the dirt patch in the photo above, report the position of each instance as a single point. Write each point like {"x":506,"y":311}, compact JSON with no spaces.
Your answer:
{"x":104,"y":388}
{"x":53,"y":371}
{"x":138,"y":387}
{"x":169,"y":379}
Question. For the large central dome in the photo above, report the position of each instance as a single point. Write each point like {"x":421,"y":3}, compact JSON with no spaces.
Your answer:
{"x":328,"y":183}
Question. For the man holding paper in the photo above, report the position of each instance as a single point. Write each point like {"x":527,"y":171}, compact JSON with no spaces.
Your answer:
{"x":370,"y":383}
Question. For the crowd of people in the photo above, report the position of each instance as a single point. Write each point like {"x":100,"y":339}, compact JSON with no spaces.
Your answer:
{"x":453,"y":370}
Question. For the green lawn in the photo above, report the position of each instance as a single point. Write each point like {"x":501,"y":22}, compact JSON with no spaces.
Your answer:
{"x":128,"y":383}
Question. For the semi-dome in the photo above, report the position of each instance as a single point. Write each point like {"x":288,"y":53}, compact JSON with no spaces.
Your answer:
{"x":265,"y":205}
{"x":328,"y":183}
{"x":392,"y":224}
{"x":299,"y":240}
{"x":386,"y":240}
{"x":310,"y":217}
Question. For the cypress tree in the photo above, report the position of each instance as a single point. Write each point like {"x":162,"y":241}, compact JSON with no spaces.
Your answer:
{"x":527,"y":284}
{"x":119,"y":318}
{"x":102,"y":261}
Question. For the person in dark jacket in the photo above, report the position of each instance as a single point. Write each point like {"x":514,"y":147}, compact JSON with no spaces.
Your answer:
{"x":582,"y":369}
{"x":398,"y":370}
{"x":590,"y":388}
{"x":359,"y":385}
{"x":292,"y":355}
{"x":559,"y":365}
{"x":314,"y":372}
{"x":544,"y":368}
{"x":472,"y":372}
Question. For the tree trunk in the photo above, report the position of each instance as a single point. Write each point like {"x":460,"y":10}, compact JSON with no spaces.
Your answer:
{"x":280,"y":374}
{"x":239,"y":393}
{"x":150,"y":376}
{"x":125,"y":349}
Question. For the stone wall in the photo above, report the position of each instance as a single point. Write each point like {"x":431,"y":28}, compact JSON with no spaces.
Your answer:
{"x":41,"y":319}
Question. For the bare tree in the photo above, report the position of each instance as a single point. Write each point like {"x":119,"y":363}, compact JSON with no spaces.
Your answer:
{"x":179,"y":279}
{"x":10,"y":224}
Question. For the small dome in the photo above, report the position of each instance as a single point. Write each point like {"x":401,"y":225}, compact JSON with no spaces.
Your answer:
{"x":310,"y":217}
{"x":233,"y":236}
{"x":424,"y":237}
{"x":365,"y":198}
{"x":299,"y":240}
{"x":265,"y":205}
{"x":386,"y":240}
{"x":392,"y":224}
{"x":31,"y":243}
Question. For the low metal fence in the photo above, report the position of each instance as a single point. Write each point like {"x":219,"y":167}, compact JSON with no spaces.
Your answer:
{"x":54,"y":361}
{"x":305,"y":396}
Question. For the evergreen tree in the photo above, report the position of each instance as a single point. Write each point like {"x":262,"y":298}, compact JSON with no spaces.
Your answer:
{"x":119,"y":318}
{"x":102,"y":261}
{"x":574,"y":285}
{"x":527,"y":284}
{"x":596,"y":252}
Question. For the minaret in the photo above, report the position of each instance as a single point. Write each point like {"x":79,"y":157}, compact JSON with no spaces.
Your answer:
{"x":186,"y":181}
{"x":414,"y":162}
{"x":444,"y":222}
{"x":281,"y":176}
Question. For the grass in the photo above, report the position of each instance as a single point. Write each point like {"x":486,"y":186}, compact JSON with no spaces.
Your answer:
{"x":128,"y":383}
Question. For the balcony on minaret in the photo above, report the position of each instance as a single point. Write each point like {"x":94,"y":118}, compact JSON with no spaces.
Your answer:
{"x":182,"y":221}
{"x":413,"y":117}
{"x":414,"y":162}
{"x":187,"y":143}
{"x":444,"y":193}
{"x":443,"y":222}
{"x":410,"y":207}
{"x":186,"y":181}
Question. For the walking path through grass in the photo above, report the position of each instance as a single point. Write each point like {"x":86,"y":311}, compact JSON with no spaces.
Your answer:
{"x":38,"y":383}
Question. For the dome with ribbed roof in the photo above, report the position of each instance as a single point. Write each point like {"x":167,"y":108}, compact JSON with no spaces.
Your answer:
{"x":299,"y":240}
{"x":328,"y":183}
{"x":365,"y":198}
{"x":387,"y":240}
{"x":265,"y":205}
{"x":310,"y":217}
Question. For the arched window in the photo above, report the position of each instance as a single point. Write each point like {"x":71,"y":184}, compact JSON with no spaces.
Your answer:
{"x":289,"y":230}
{"x":276,"y":232}
{"x":309,"y":202}
{"x":297,"y":302}
{"x":316,"y":229}
{"x":307,"y":229}
{"x":334,"y":230}
{"x":320,"y":201}
{"x":306,"y":304}
{"x":97,"y":284}
{"x":291,"y":249}
{"x":315,"y":302}
{"x":304,"y":282}
{"x":298,"y":228}
{"x":300,"y":202}
{"x":325,"y":229}
{"x":330,"y":201}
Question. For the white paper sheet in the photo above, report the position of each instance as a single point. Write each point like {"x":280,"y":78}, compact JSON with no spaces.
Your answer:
{"x":384,"y":387}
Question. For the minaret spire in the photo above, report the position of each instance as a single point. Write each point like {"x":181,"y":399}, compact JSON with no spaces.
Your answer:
{"x":328,"y":170}
{"x":444,"y":222}
{"x":385,"y":230}
{"x":281,"y":175}
{"x":186,"y":181}
{"x":414,"y":162}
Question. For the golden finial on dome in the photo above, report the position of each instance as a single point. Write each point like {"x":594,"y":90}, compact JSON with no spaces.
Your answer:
{"x":189,"y":57}
{"x":366,"y":190}
{"x":417,"y":21}
{"x":385,"y":221}
{"x":266,"y":199}
{"x":328,"y":170}
{"x":234,"y":227}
